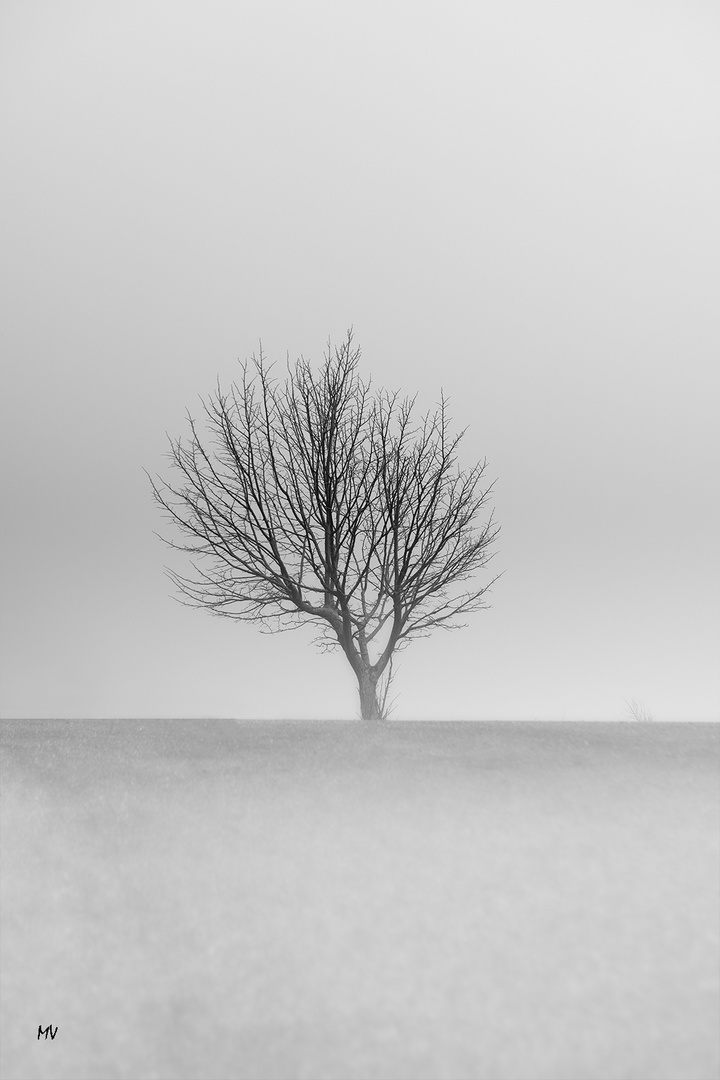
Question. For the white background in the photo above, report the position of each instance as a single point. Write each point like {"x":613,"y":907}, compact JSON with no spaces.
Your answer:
{"x":515,"y":202}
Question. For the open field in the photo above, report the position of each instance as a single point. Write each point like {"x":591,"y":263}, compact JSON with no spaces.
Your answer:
{"x":495,"y":901}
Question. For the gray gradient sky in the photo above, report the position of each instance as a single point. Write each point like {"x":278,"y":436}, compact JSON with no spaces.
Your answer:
{"x":515,"y":202}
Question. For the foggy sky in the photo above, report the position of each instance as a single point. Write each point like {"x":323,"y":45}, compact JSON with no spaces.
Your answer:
{"x":516,"y":203}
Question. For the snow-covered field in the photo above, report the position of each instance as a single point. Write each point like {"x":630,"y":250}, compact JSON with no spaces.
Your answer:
{"x":495,"y":901}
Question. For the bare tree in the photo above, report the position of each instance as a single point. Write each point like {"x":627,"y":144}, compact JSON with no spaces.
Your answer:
{"x":315,"y":500}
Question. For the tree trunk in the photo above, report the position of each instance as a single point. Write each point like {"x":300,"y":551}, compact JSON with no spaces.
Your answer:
{"x":369,"y":706}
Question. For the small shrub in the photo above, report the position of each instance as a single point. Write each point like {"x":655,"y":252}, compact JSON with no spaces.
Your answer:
{"x":639,"y":711}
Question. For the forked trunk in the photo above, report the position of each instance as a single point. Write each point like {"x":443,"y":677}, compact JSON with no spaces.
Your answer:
{"x":369,"y":704}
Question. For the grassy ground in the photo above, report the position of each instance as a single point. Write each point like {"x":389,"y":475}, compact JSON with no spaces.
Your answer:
{"x":495,"y":901}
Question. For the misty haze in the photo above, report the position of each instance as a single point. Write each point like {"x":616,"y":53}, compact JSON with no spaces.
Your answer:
{"x":389,"y":319}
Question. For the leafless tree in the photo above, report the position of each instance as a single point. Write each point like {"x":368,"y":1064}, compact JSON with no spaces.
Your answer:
{"x":317,"y":500}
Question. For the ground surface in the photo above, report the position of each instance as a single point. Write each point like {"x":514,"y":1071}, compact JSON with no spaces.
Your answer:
{"x":501,"y":901}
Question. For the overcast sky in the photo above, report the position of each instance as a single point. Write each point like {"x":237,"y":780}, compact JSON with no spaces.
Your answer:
{"x":515,"y":202}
